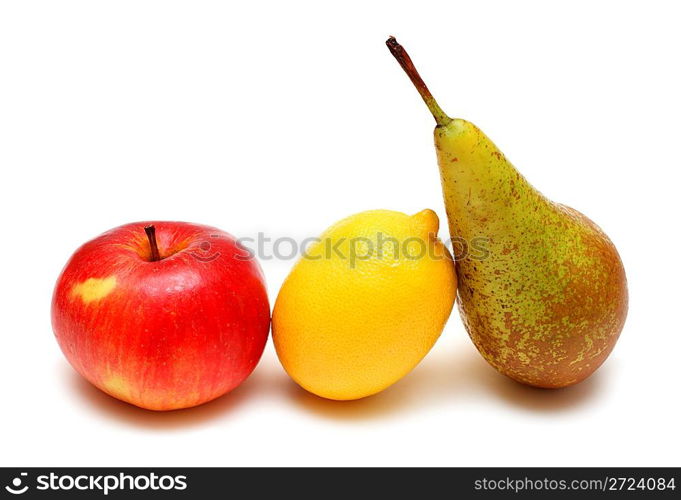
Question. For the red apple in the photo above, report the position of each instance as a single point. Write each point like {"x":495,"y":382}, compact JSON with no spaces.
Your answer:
{"x":163,"y":315}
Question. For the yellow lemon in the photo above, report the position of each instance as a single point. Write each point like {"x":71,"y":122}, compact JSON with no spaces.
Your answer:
{"x":364,"y":304}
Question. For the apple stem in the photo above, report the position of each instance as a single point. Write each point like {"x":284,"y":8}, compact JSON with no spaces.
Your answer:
{"x":405,"y":61}
{"x":151,"y":235}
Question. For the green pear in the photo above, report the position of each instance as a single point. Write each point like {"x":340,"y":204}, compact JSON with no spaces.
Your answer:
{"x":547,"y":300}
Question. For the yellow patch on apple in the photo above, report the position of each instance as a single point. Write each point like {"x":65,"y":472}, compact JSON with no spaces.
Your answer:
{"x":93,"y":289}
{"x":117,"y":387}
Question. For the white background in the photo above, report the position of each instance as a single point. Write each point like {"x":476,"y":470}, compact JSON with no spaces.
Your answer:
{"x":283,"y":117}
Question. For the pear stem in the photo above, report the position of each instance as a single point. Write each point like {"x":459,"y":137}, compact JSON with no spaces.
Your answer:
{"x":405,"y":61}
{"x":151,"y":235}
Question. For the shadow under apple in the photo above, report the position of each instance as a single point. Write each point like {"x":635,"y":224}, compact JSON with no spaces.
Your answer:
{"x":255,"y":385}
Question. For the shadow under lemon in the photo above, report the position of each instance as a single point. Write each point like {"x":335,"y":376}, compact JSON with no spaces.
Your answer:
{"x":452,"y":377}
